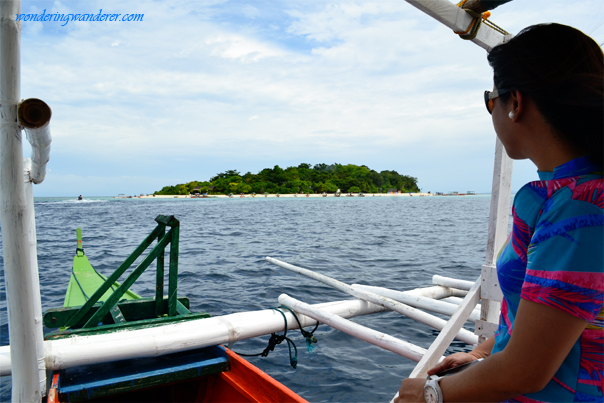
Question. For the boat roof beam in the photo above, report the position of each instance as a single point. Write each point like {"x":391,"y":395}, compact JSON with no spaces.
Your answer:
{"x":459,"y":20}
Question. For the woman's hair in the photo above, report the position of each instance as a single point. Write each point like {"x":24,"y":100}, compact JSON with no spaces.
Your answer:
{"x":561,"y":70}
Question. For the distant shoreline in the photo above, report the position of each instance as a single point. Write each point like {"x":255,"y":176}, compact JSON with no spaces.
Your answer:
{"x":289,"y":195}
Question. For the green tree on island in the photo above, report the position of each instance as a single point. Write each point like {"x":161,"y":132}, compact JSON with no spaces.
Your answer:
{"x":304,"y":178}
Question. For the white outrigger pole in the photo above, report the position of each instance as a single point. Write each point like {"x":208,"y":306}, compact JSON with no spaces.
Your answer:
{"x":27,"y":354}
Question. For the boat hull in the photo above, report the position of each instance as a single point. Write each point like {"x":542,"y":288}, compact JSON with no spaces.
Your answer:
{"x":214,"y":374}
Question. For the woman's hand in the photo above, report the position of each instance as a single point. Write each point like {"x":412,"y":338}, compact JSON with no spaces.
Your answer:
{"x":412,"y":390}
{"x":457,"y":359}
{"x":452,"y":361}
{"x":474,"y":5}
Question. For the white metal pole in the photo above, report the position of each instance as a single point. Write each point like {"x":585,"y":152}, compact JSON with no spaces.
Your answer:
{"x":33,"y":260}
{"x":380,"y":339}
{"x":417,"y":301}
{"x":13,"y":215}
{"x":415,"y":314}
{"x":457,"y":301}
{"x":434,"y":292}
{"x":452,"y":282}
{"x":177,"y":337}
{"x":34,"y":116}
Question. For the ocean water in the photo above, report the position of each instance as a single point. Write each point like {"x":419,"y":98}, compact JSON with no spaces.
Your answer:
{"x":394,"y":242}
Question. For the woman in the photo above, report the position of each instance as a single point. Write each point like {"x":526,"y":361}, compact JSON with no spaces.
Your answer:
{"x":547,"y":105}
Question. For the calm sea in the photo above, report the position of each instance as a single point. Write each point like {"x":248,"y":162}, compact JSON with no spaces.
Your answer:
{"x":394,"y":242}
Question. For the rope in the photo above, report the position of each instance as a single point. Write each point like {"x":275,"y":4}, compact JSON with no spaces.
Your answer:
{"x":79,"y":285}
{"x":309,"y":336}
{"x":496,"y":27}
{"x":472,"y":30}
{"x":105,"y":279}
{"x":276,"y":339}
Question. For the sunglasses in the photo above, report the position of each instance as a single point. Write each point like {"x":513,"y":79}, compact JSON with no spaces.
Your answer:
{"x":489,"y":96}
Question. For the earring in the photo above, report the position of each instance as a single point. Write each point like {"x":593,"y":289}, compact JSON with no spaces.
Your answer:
{"x":511,"y":115}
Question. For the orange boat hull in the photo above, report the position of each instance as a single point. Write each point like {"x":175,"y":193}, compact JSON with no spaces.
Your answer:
{"x":243,"y":382}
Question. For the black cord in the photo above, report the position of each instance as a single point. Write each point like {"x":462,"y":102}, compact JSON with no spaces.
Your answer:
{"x":276,"y":339}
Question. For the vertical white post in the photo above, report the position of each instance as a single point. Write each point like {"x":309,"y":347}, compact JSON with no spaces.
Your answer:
{"x":13,"y":216}
{"x":490,"y":291}
{"x":33,"y":261}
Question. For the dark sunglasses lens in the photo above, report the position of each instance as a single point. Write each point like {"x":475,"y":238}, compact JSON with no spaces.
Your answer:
{"x":488,"y":102}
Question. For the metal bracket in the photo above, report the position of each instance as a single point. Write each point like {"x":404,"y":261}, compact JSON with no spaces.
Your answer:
{"x":484,"y":328}
{"x":490,"y":284}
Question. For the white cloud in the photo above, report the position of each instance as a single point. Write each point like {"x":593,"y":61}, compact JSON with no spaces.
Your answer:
{"x":239,"y":48}
{"x":241,"y":86}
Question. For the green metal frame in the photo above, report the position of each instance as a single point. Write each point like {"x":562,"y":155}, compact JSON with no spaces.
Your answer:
{"x":136,"y":314}
{"x":111,"y":307}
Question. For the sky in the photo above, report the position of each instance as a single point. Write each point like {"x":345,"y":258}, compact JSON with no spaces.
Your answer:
{"x":201,"y":87}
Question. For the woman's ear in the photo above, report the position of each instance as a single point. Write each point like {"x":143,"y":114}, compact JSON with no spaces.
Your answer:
{"x":517,"y":104}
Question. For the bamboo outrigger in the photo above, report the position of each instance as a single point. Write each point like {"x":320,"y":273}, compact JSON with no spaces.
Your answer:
{"x":29,"y":356}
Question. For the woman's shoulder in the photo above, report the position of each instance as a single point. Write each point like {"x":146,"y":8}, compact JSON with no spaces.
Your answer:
{"x":585,"y":190}
{"x":529,"y":201}
{"x":583,"y":195}
{"x":559,"y":199}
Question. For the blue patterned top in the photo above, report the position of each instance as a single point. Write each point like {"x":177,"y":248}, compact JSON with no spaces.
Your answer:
{"x":555,"y":256}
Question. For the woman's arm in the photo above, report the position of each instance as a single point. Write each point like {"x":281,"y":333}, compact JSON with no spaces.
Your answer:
{"x":542,"y":338}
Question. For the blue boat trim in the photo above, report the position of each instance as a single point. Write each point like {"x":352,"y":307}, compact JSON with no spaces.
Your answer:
{"x":93,"y":381}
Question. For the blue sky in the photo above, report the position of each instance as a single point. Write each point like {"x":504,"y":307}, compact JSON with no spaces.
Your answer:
{"x":199,"y":87}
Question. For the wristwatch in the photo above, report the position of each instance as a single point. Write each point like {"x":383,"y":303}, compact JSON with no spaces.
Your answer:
{"x":432,"y":392}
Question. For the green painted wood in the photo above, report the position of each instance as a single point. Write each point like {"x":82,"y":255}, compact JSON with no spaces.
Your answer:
{"x":80,"y":249}
{"x":113,"y":278}
{"x":173,"y":284}
{"x":180,"y":308}
{"x":134,"y":325}
{"x":145,"y":309}
{"x":132,"y":310}
{"x":159,"y":278}
{"x":116,"y":315}
{"x":167,"y":220}
{"x":117,"y":294}
{"x":85,"y":281}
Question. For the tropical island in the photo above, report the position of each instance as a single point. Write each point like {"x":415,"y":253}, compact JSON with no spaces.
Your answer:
{"x":305,"y":178}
